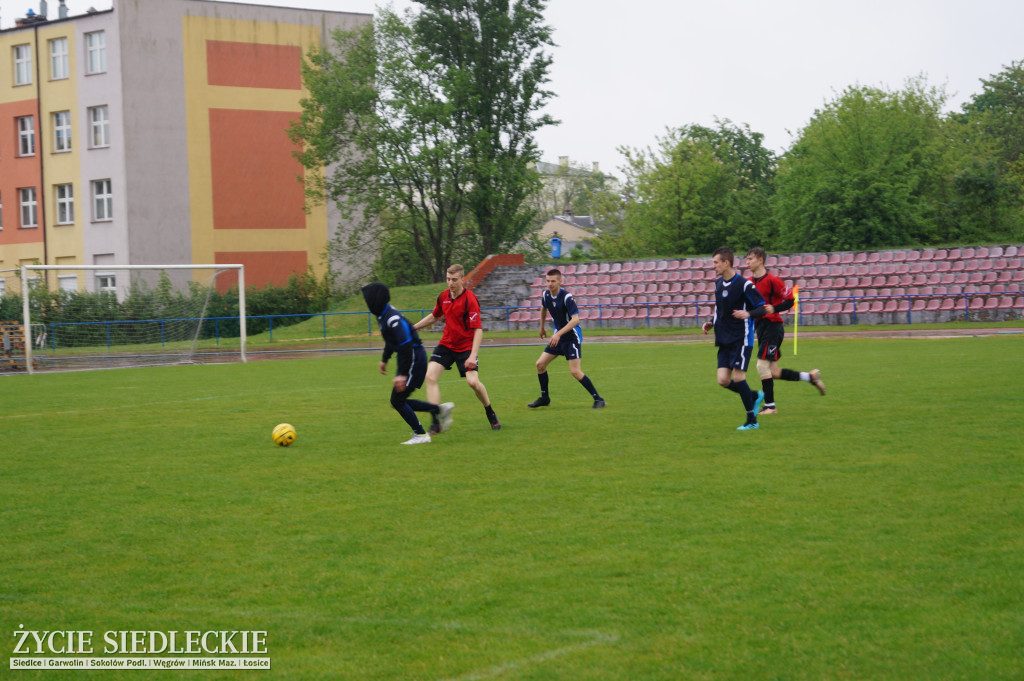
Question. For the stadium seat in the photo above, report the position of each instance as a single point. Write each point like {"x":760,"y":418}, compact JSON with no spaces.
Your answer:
{"x":899,"y":256}
{"x":885,"y":256}
{"x":627,"y":267}
{"x":991,"y":303}
{"x":933,"y":305}
{"x":913,"y":256}
{"x":1010,"y":251}
{"x":976,"y":303}
{"x":981,"y":252}
{"x":876,"y":306}
{"x":631,"y":313}
{"x":948,"y":304}
{"x":846,"y":258}
{"x":967,"y":253}
{"x":892,"y":306}
{"x":918,"y":305}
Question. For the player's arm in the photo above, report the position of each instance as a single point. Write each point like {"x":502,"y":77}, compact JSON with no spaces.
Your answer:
{"x":426,"y":321}
{"x":543,"y":322}
{"x":573,"y":322}
{"x":478,"y":336}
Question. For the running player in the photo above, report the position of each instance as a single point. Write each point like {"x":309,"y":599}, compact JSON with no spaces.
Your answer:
{"x":460,"y":342}
{"x":401,"y":339}
{"x":737,"y":304}
{"x":566,"y":340}
{"x":771,"y":331}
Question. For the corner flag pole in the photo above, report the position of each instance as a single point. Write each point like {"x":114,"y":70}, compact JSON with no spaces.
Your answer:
{"x":796,"y":317}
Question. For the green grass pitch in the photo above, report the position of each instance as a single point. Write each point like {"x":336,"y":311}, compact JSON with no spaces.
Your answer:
{"x":874,"y":533}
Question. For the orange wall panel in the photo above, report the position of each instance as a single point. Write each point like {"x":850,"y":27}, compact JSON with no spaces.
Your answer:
{"x":253,"y":171}
{"x":261,"y":268}
{"x":253,"y":65}
{"x":18,"y":172}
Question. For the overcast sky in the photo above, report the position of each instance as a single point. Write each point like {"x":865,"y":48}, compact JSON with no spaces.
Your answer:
{"x":624,"y":71}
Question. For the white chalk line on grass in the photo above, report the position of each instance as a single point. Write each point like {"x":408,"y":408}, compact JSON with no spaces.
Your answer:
{"x":597,"y":639}
{"x":593,"y":638}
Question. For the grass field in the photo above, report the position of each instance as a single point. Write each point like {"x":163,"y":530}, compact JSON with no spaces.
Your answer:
{"x":874,"y":533}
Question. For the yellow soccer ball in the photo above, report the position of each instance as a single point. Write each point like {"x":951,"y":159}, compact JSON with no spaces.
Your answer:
{"x":284,"y":434}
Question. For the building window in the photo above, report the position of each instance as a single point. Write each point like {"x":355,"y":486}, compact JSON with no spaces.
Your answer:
{"x":26,"y":136}
{"x":99,"y":122}
{"x":22,"y":64}
{"x":102,"y":200}
{"x":27,"y":196}
{"x":62,"y":131}
{"x":95,"y":52}
{"x":65,"y":204}
{"x":68,"y":282}
{"x":59,"y":59}
{"x":106,"y":281}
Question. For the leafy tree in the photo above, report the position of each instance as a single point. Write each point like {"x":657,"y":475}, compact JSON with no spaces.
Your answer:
{"x":495,"y":72}
{"x":870,"y":170}
{"x":996,"y":113}
{"x":426,"y":125}
{"x":702,"y":188}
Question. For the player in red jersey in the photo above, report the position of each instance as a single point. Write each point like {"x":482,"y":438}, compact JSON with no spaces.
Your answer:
{"x":460,"y":342}
{"x":770,"y":331}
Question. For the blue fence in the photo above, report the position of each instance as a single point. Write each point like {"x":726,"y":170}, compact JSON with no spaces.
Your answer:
{"x":848,"y":309}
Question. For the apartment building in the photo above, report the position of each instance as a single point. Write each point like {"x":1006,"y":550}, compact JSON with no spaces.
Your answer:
{"x":155,"y":133}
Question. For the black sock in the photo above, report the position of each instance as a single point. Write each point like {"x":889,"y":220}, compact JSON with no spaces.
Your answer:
{"x":789,"y":375}
{"x":748,"y":397}
{"x":489,"y":411}
{"x":589,"y":387}
{"x":768,"y":386}
{"x":543,"y":378}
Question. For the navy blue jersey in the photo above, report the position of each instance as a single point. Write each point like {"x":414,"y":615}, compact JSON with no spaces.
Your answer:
{"x":739,"y":293}
{"x":402,"y":340}
{"x":562,"y":307}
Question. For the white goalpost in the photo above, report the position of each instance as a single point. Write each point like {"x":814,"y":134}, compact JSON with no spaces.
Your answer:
{"x":82,"y":317}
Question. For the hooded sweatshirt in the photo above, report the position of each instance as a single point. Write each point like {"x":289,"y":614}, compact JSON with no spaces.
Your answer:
{"x":399,"y":337}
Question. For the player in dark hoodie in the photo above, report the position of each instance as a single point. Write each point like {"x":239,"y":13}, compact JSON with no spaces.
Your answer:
{"x":401,"y":339}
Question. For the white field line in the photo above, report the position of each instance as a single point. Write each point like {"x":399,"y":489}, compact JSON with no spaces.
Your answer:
{"x":597,"y":639}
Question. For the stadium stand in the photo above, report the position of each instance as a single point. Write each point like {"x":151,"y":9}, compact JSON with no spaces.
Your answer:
{"x":981,"y":283}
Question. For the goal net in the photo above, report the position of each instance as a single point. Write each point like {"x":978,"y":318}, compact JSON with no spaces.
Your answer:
{"x":109,"y":316}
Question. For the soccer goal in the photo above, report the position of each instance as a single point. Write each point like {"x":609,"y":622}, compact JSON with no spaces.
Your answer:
{"x":81,"y":317}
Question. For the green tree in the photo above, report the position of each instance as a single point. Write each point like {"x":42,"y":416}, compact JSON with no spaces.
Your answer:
{"x":997,"y":112}
{"x":425,"y":122}
{"x":702,"y":188}
{"x":495,"y":72}
{"x":870,"y":170}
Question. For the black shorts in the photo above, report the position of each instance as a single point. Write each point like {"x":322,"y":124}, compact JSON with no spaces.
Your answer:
{"x":446,"y":357}
{"x":569,"y":347}
{"x":769,"y":340}
{"x":734,"y":356}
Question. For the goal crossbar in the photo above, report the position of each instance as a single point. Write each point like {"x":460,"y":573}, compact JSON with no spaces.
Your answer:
{"x":26,"y":309}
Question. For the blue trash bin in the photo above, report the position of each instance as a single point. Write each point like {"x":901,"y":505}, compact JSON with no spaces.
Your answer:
{"x":556,"y":247}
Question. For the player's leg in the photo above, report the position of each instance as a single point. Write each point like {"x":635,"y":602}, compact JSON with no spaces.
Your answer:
{"x":813,"y":377}
{"x":769,"y":342}
{"x":542,"y":377}
{"x":735,"y":379}
{"x":576,"y":369}
{"x":400,"y":402}
{"x":434,"y":371}
{"x":477,"y":386}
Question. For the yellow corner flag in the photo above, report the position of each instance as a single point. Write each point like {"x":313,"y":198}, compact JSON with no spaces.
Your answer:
{"x":796,"y":317}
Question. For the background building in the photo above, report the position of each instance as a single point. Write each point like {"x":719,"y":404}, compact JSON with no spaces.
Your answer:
{"x":154,"y":133}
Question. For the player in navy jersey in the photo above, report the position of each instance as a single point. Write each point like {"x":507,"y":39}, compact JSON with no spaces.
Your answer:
{"x":770,"y":331}
{"x":566,"y":340}
{"x":737,"y":304}
{"x":401,"y":339}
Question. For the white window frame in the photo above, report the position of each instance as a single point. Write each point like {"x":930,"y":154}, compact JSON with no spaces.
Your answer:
{"x":26,"y":135}
{"x":63,"y":279}
{"x":65,"y":198}
{"x":29,"y":207}
{"x":106,"y":281}
{"x":23,"y":64}
{"x":102,"y":201}
{"x":95,"y":52}
{"x":61,"y":131}
{"x":99,"y":127}
{"x":59,"y":64}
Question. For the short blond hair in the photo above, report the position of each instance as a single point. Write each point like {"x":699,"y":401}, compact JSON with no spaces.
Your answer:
{"x":457,"y":269}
